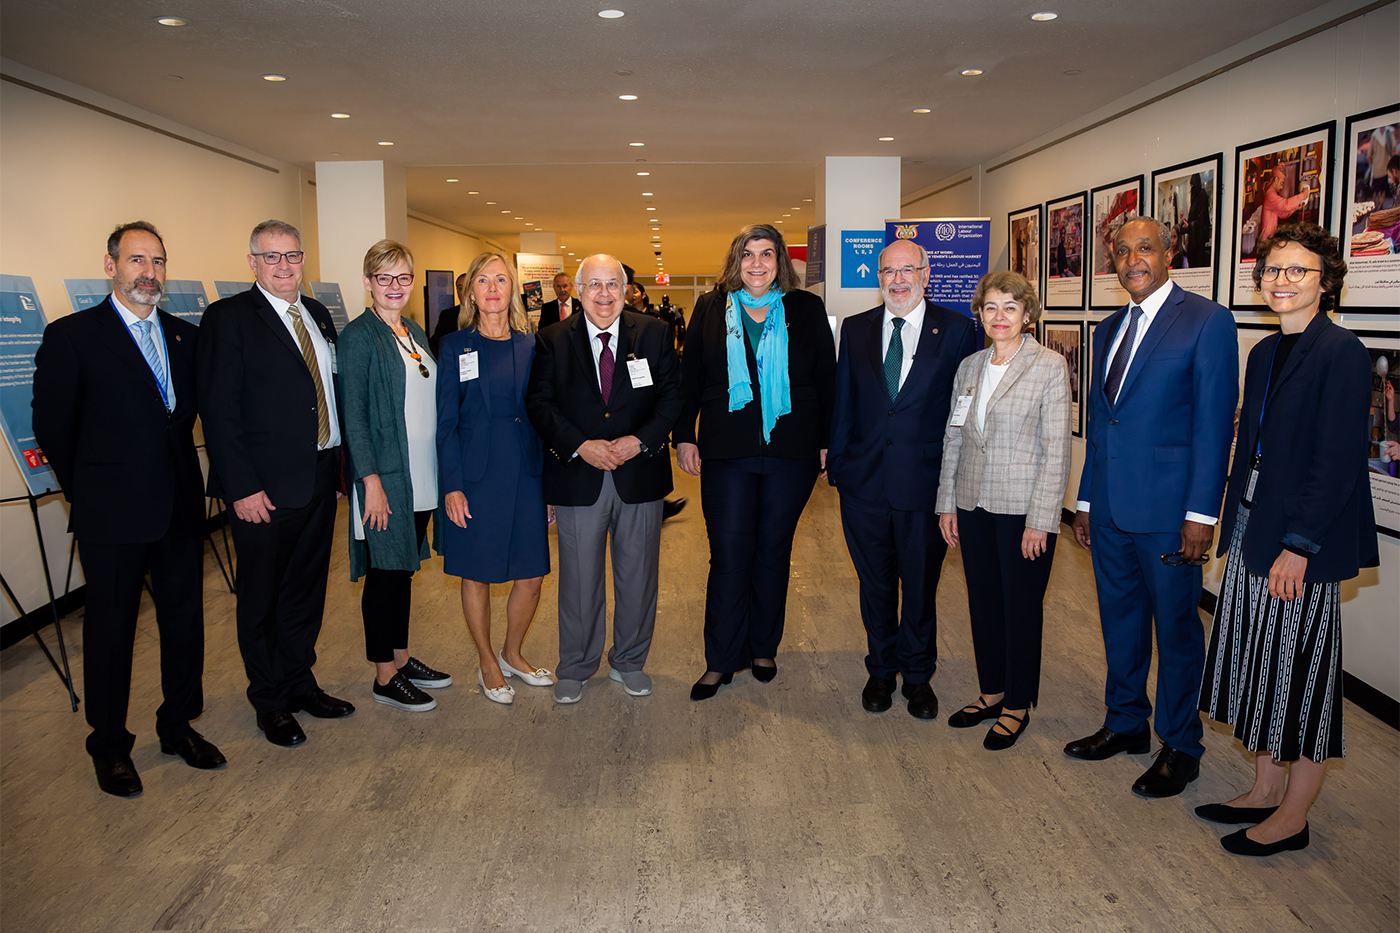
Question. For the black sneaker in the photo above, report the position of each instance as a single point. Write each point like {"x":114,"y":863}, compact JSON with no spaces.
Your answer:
{"x":401,"y":694}
{"x":424,"y":676}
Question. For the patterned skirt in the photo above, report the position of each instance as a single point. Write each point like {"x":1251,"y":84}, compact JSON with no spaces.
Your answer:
{"x":1274,"y":667}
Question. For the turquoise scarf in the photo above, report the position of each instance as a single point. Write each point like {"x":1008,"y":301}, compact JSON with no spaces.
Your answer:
{"x":772,"y":355}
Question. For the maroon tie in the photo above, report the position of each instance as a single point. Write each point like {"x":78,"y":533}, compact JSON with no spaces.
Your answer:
{"x":605,"y":368}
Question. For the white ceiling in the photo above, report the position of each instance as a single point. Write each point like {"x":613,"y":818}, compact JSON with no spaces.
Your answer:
{"x":738,"y":101}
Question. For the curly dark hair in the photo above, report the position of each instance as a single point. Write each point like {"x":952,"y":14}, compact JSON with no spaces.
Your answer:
{"x":1315,"y":240}
{"x":787,"y":279}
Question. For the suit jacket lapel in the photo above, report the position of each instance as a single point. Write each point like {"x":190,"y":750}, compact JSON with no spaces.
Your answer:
{"x":178,"y":359}
{"x":924,"y":362}
{"x":626,"y":341}
{"x":1109,"y":327}
{"x":1018,"y":367}
{"x":263,"y":308}
{"x":114,"y":331}
{"x":1161,"y":323}
{"x":585,"y":356}
{"x":973,"y":387}
{"x":875,"y":334}
{"x":1304,"y":346}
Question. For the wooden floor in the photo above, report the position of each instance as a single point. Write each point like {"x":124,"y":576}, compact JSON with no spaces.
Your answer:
{"x":771,"y":807}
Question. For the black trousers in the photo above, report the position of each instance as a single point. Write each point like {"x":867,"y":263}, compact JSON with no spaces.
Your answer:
{"x":1006,"y":602}
{"x":751,"y":507}
{"x":282,"y":569}
{"x":385,"y":603}
{"x":114,"y":573}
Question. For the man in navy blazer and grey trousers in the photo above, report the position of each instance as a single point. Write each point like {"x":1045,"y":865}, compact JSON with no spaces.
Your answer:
{"x":894,"y":383}
{"x":1161,"y":416}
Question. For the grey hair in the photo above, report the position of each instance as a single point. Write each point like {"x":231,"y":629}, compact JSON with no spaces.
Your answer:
{"x":1164,"y":232}
{"x":923,"y":253}
{"x":272,"y":226}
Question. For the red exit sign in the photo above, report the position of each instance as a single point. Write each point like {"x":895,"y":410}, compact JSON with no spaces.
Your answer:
{"x":663,"y":279}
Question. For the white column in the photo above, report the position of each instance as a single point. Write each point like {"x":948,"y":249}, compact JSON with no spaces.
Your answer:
{"x":357,"y":205}
{"x":854,"y":193}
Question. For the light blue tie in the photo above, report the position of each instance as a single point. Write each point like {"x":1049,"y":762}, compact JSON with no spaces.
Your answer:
{"x":148,"y":350}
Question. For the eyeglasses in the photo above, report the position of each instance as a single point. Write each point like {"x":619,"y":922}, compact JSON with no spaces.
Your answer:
{"x":1294,"y":273}
{"x":271,"y":259}
{"x":384,"y":279}
{"x":906,"y":272}
{"x":611,"y":285}
{"x":1179,"y":560}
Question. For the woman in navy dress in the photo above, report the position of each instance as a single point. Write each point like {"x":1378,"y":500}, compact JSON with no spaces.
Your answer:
{"x":490,"y":461}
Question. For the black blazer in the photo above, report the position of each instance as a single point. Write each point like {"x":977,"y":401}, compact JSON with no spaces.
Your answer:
{"x":566,"y":408}
{"x":883,"y":452}
{"x":724,"y":434}
{"x":128,"y":468}
{"x":446,"y":324}
{"x":257,"y":400}
{"x":549,"y":314}
{"x":1314,"y":492}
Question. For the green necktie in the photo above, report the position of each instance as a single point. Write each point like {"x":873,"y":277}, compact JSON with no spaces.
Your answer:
{"x":894,"y":359}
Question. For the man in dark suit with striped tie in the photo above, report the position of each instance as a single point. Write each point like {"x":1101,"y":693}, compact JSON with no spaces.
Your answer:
{"x":114,"y":410}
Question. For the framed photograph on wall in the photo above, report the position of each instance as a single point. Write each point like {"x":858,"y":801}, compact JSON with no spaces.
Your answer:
{"x":1187,"y":198}
{"x":1067,"y":339}
{"x":1384,"y":429}
{"x":1064,"y":253}
{"x":1025,"y":245}
{"x":1370,"y":226}
{"x":1278,"y":180}
{"x":1110,"y":206}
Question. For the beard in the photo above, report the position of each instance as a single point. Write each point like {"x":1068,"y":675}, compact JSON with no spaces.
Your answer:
{"x":136,"y":292}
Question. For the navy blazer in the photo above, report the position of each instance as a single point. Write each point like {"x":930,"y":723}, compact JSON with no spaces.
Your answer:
{"x":464,"y":412}
{"x":1164,"y":449}
{"x":1314,"y":491}
{"x":883,"y":452}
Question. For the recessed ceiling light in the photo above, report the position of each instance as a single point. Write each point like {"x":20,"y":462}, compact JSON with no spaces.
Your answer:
{"x":627,"y":97}
{"x":175,"y":77}
{"x":656,"y":228}
{"x":274,"y":77}
{"x":1044,"y":17}
{"x":922,"y":110}
{"x":335,"y":153}
{"x":173,"y":21}
{"x":528,"y":223}
{"x":646,"y":194}
{"x":451,"y":180}
{"x":490,"y":202}
{"x":806,"y":200}
{"x":886,"y":139}
{"x":639,"y":174}
{"x":636,"y":144}
{"x":386,"y":142}
{"x":473,"y":192}
{"x":340,"y":116}
{"x":972,"y":72}
{"x":1074,"y":71}
{"x":520,"y":218}
{"x":795,"y":208}
{"x":505,"y":212}
{"x":656,"y":236}
{"x":624,"y":73}
{"x":611,"y":14}
{"x":651,"y":208}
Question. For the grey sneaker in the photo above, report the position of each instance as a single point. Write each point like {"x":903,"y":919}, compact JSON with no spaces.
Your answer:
{"x":421,"y":675}
{"x":568,"y":691}
{"x":636,"y":683}
{"x":401,"y":694}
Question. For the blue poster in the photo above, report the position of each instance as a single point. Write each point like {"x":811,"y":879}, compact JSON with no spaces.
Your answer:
{"x":84,"y":293}
{"x":224,"y":289}
{"x":328,"y":294}
{"x":860,"y":253}
{"x":184,"y":298}
{"x":816,"y":256}
{"x":22,"y":324}
{"x":958,"y":253}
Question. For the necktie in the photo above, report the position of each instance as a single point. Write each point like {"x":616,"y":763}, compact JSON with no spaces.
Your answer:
{"x":1119,"y":367}
{"x":308,"y":355}
{"x":148,"y":350}
{"x":894,"y":359}
{"x":605,"y":368}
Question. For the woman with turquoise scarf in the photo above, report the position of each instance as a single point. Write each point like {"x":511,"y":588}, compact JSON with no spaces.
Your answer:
{"x":760,"y":374}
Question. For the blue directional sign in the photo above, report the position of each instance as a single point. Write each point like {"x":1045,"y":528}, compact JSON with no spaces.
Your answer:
{"x":328,"y":294}
{"x":22,"y":325}
{"x":860,"y":253}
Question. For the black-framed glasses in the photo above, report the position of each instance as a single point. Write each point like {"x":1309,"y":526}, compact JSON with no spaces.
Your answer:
{"x":1180,"y":560}
{"x":1293,"y":273}
{"x":271,"y":259}
{"x":384,"y":279}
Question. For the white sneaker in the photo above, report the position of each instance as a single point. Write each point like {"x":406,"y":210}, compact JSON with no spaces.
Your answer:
{"x":505,"y":694}
{"x":539,"y":677}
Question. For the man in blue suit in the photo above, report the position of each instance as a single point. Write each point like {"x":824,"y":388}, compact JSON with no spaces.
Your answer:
{"x":1161,"y":416}
{"x":894,"y":384}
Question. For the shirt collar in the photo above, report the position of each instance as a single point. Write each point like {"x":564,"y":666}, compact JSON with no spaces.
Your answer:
{"x":129,"y":318}
{"x":280,"y":305}
{"x":914,"y":319}
{"x":1153,"y":302}
{"x":593,"y":331}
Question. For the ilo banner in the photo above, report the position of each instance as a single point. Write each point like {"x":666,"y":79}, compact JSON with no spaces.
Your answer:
{"x":958,"y":253}
{"x":22,"y":325}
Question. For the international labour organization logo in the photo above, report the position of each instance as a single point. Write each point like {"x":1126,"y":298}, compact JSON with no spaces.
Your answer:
{"x":945,"y":231}
{"x":906,"y":231}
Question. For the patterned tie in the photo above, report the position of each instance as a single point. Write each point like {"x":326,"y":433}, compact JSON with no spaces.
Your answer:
{"x":148,"y":350}
{"x":605,"y":368}
{"x":308,"y":355}
{"x":1119,"y":367}
{"x":894,"y":359}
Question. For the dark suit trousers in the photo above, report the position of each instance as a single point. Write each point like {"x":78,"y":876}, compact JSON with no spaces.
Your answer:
{"x":1006,"y":602}
{"x":282,"y":569}
{"x":1135,"y":588}
{"x":114,"y":573}
{"x":890,"y":548}
{"x":385,"y":602}
{"x":751,"y":506}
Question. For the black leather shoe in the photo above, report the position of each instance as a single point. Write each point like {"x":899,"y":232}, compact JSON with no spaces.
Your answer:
{"x":1169,"y":774}
{"x":702,"y":691}
{"x":1239,"y":843}
{"x":997,"y":740}
{"x":197,"y":751}
{"x":763,"y":673}
{"x":117,"y":775}
{"x":281,"y":728}
{"x":1224,"y":813}
{"x":973,"y":713}
{"x":320,"y":704}
{"x":1106,"y":743}
{"x":671,"y":508}
{"x":876,"y":696}
{"x":923,"y":704}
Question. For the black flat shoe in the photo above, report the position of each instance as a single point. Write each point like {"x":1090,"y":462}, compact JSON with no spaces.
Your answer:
{"x":764,"y":673}
{"x":197,"y":751}
{"x":997,"y":740}
{"x":1240,"y":844}
{"x":877,"y":695}
{"x":320,"y":704}
{"x":117,"y":775}
{"x":703,"y":691}
{"x":1169,"y":774}
{"x":1224,"y":813}
{"x":281,"y":728}
{"x":974,"y":713}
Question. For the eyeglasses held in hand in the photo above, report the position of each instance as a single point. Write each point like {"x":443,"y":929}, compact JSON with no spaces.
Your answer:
{"x":384,"y":279}
{"x":271,"y":259}
{"x":1180,"y":560}
{"x":1293,"y":273}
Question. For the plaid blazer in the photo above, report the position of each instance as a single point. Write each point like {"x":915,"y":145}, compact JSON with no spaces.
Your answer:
{"x":1018,"y":465}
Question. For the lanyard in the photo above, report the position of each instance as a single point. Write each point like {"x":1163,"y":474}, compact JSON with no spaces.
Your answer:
{"x":1259,"y":437}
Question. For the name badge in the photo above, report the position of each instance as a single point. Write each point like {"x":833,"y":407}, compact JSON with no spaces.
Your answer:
{"x":335,"y":370}
{"x":961,"y":410}
{"x":468,"y":366}
{"x":640,"y":373}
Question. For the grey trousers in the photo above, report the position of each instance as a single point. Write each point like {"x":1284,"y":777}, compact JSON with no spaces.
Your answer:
{"x":636,"y":552}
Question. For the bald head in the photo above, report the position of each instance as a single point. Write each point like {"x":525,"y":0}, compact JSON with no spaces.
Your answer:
{"x":601,"y":281}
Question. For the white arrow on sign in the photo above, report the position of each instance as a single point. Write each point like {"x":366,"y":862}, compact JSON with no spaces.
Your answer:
{"x":863,"y":269}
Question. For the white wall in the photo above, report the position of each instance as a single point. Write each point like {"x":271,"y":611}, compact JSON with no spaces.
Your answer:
{"x":1341,"y":71}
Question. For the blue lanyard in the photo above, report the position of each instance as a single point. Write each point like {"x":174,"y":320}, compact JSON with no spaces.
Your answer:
{"x":1259,"y":436}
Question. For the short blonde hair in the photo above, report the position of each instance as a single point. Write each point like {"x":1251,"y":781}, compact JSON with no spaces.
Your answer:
{"x":385,"y":255}
{"x":515,"y":317}
{"x":1011,"y":283}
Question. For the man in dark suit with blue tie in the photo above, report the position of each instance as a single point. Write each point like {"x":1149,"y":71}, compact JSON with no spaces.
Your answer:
{"x":1161,"y":416}
{"x":114,"y":410}
{"x":894,"y":382}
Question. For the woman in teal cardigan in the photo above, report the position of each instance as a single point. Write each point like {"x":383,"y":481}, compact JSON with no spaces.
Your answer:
{"x":388,"y":401}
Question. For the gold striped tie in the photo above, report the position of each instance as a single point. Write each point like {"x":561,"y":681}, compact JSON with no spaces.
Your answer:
{"x":308,"y":355}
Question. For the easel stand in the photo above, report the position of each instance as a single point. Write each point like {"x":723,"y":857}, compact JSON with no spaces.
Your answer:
{"x":65,"y":674}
